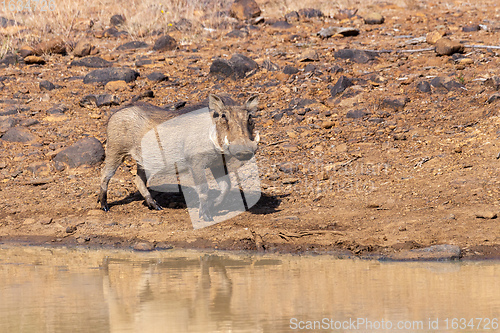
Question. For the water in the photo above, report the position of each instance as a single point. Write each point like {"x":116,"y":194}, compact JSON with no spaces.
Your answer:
{"x":81,"y":290}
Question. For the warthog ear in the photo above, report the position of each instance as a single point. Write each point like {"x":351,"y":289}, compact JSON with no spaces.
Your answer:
{"x":252,"y":103}
{"x":215,"y":103}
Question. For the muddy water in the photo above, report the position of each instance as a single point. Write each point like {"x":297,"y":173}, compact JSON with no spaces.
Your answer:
{"x":80,"y":290}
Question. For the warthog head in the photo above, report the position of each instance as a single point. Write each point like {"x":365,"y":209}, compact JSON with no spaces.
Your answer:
{"x":234,"y":126}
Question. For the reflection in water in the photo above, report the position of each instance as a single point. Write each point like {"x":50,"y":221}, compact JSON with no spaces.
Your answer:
{"x":78,"y":290}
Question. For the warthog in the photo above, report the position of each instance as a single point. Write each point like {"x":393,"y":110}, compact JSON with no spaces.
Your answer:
{"x":190,"y":142}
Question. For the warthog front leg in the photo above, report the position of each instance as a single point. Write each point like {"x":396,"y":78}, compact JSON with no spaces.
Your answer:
{"x":224,"y":182}
{"x":200,"y":181}
{"x":140,"y":182}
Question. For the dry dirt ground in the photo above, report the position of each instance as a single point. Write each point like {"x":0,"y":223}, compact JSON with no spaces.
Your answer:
{"x":379,"y":168}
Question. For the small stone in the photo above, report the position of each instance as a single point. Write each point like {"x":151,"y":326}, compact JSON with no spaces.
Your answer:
{"x":88,"y":151}
{"x":83,"y":48}
{"x":291,"y":180}
{"x":433,"y":36}
{"x":288,"y":167}
{"x":493,"y":98}
{"x":165,"y":43}
{"x":397,"y":104}
{"x":465,"y":61}
{"x":6,"y":124}
{"x":309,"y":55}
{"x":45,"y":220}
{"x":327,"y":124}
{"x":71,"y":229}
{"x":105,"y":75}
{"x":46,"y":85}
{"x":91,"y":62}
{"x":374,"y":18}
{"x":132,"y":46}
{"x":26,"y":50}
{"x":18,"y":134}
{"x":290,"y":70}
{"x":9,"y":59}
{"x":270,"y":66}
{"x":53,"y":46}
{"x":355,"y":114}
{"x":424,"y":86}
{"x":117,"y":20}
{"x":237,"y":33}
{"x":446,"y":83}
{"x":281,"y":25}
{"x":58,"y":109}
{"x":310,"y":13}
{"x":34,"y":60}
{"x":341,"y":85}
{"x":358,"y":56}
{"x":157,"y":77}
{"x":446,"y":46}
{"x":143,"y":246}
{"x":431,"y":253}
{"x":493,"y":82}
{"x":345,"y":13}
{"x":107,"y":100}
{"x":244,"y":9}
{"x":489,"y":215}
{"x":471,"y":28}
{"x":292,"y":17}
{"x":221,"y":67}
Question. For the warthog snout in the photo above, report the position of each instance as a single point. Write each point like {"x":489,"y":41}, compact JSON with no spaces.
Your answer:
{"x":242,"y":153}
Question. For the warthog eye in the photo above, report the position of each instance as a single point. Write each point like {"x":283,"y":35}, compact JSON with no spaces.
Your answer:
{"x":215,"y":114}
{"x":223,"y":116}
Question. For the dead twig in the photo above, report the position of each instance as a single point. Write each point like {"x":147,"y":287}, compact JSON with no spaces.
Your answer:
{"x":276,"y":143}
{"x":288,"y":235}
{"x":483,"y":47}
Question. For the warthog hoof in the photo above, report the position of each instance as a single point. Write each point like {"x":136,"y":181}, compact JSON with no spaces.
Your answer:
{"x":154,"y":205}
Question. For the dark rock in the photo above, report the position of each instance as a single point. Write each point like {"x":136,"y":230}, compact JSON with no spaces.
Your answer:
{"x":28,"y":122}
{"x":113,"y":32}
{"x":292,"y":17}
{"x":107,"y":100}
{"x":310,"y":13}
{"x":163,"y":246}
{"x":132,"y":46}
{"x":117,"y":20}
{"x":10,"y":111}
{"x":309,"y":68}
{"x":302,"y":102}
{"x":244,"y":9}
{"x":91,"y":101}
{"x":336,"y":69}
{"x":9,"y":59}
{"x":110,"y":74}
{"x":242,"y":65}
{"x":237,"y":33}
{"x":446,"y":46}
{"x":446,"y":83}
{"x":58,"y":109}
{"x":46,"y":85}
{"x":354,"y":114}
{"x":237,"y":67}
{"x":374,"y":18}
{"x":493,"y":98}
{"x":270,"y":66}
{"x":82,"y":49}
{"x":6,"y":124}
{"x":471,"y":28}
{"x":71,"y":229}
{"x":493,"y":82}
{"x":288,"y":167}
{"x":281,"y":25}
{"x":88,"y":151}
{"x":221,"y":67}
{"x":397,"y":104}
{"x":18,"y":134}
{"x":146,"y":94}
{"x":92,"y":62}
{"x":143,"y":62}
{"x":424,"y":86}
{"x":165,"y":43}
{"x":290,"y":70}
{"x":342,"y":84}
{"x":359,"y":56}
{"x":157,"y":77}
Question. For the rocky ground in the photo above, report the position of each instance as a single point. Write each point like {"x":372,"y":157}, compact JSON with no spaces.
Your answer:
{"x":379,"y":129}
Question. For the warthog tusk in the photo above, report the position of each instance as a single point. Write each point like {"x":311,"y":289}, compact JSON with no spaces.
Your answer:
{"x":226,"y":141}
{"x":257,"y":137}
